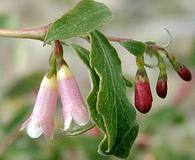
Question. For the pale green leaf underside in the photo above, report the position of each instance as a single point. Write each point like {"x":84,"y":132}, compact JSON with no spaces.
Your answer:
{"x":134,"y":47}
{"x":92,"y":97}
{"x":85,"y":17}
{"x":118,"y":114}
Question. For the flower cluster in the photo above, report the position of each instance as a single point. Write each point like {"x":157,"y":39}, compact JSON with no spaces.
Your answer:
{"x":58,"y":81}
{"x":143,"y":94}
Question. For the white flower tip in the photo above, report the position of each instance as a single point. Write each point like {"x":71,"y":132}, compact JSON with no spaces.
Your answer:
{"x":80,"y":115}
{"x":49,"y":82}
{"x":67,"y":122}
{"x":64,"y":73}
{"x":34,"y":130}
{"x":83,"y":121}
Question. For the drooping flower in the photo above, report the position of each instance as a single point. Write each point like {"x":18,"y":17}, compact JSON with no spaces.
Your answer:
{"x":41,"y":120}
{"x":74,"y":108}
{"x":143,"y":95}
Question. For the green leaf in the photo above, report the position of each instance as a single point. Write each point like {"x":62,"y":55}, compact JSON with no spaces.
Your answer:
{"x":128,"y":82}
{"x":84,"y":55}
{"x":118,"y":114}
{"x":85,"y":17}
{"x":134,"y":47}
{"x":92,"y":100}
{"x":92,"y":97}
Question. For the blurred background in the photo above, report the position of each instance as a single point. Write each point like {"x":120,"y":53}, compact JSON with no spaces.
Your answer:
{"x":166,"y":133}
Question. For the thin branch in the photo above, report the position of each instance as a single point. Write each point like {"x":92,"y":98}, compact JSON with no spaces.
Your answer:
{"x":35,"y":33}
{"x":117,"y":39}
{"x":39,"y":34}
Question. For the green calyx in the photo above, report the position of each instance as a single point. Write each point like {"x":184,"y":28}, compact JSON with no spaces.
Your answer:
{"x":141,"y":75}
{"x":141,"y":72}
{"x":60,"y":62}
{"x":149,"y":51}
{"x":162,"y":67}
{"x":52,"y":68}
{"x":56,"y":59}
{"x":162,"y":76}
{"x":140,"y":62}
{"x":173,"y":62}
{"x":136,"y":48}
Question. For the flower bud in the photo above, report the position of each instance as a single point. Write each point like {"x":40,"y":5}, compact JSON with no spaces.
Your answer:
{"x":161,"y":87}
{"x":184,"y":73}
{"x":181,"y":69}
{"x":143,"y":95}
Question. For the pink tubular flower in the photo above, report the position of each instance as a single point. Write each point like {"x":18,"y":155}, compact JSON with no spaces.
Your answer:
{"x":42,"y":117}
{"x":74,"y":107}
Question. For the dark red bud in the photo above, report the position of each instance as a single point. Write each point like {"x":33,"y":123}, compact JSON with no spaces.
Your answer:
{"x":143,"y":96}
{"x":161,"y":88}
{"x":184,"y":73}
{"x":58,"y":49}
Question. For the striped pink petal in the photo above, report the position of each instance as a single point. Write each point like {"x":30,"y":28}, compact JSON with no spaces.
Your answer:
{"x":74,"y":106}
{"x":42,"y":117}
